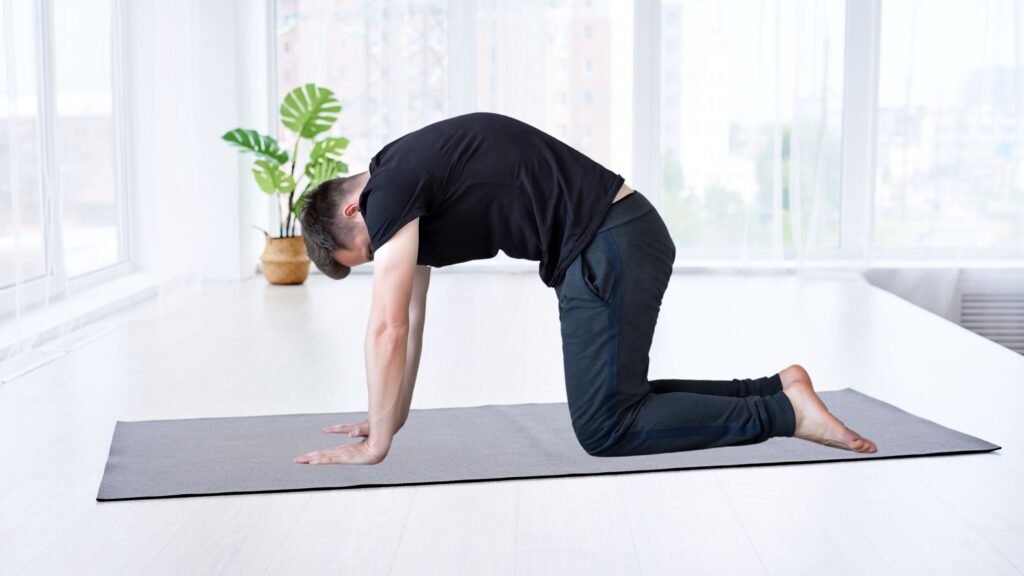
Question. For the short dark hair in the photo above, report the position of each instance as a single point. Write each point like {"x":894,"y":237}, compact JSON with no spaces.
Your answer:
{"x":324,"y":228}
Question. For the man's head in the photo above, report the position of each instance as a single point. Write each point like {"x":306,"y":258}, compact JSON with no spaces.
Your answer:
{"x":333,"y":228}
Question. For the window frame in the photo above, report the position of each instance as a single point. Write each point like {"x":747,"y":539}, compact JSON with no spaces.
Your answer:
{"x":53,"y":284}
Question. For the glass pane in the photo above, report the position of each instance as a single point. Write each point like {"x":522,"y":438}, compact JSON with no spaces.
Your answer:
{"x":386,"y":61}
{"x":85,"y":133}
{"x":746,"y":140}
{"x":21,"y":215}
{"x":948,"y":165}
{"x":564,"y":66}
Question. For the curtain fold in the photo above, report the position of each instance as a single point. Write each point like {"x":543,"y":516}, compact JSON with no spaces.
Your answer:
{"x":814,"y":177}
{"x":48,"y":306}
{"x":34,"y":288}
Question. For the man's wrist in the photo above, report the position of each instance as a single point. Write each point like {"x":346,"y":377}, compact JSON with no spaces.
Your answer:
{"x":378,"y":447}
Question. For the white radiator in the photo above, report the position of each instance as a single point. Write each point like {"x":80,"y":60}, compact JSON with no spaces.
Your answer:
{"x":996,"y":316}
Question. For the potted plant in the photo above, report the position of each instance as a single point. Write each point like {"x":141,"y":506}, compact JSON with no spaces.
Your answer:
{"x":308,"y":111}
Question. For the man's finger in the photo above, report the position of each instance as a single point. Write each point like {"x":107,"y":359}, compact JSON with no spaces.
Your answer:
{"x":308,"y":458}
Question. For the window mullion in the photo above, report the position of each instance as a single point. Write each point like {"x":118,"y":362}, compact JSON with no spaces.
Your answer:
{"x":273,"y":208}
{"x":461,"y":57}
{"x":860,"y":107}
{"x":646,"y":98}
{"x":121,"y":118}
{"x":48,"y":161}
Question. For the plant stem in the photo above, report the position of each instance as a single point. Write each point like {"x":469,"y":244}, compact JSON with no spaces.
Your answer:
{"x":290,"y":205}
{"x":295,"y":157}
{"x":291,"y":216}
{"x":280,"y":228}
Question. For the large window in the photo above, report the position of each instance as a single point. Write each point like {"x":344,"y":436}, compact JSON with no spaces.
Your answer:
{"x":949,"y":127}
{"x":386,"y":61}
{"x":742,"y":145}
{"x":85,"y":134}
{"x":751,"y":125}
{"x":564,"y":67}
{"x":60,"y":211}
{"x":22,"y":223}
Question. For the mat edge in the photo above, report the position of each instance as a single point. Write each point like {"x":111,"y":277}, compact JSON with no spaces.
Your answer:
{"x":507,"y":478}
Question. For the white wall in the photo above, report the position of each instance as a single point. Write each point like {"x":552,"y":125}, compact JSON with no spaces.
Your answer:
{"x":935,"y":290}
{"x":939,"y":290}
{"x":196,"y":68}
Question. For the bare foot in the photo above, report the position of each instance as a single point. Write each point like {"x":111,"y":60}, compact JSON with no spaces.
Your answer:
{"x":815,"y":423}
{"x":794,"y":373}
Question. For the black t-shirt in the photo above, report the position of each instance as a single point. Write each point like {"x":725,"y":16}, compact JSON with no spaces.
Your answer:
{"x":484,"y":182}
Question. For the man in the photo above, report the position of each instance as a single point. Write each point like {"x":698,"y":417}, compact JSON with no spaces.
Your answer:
{"x":463,"y":188}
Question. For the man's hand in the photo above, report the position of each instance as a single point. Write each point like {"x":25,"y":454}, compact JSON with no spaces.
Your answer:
{"x":355,"y":453}
{"x":353,"y":430}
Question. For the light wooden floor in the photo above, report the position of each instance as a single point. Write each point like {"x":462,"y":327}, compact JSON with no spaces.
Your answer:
{"x":250,"y":348}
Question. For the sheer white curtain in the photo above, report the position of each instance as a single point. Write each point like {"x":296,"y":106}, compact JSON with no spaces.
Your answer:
{"x":99,"y":192}
{"x":751,"y":128}
{"x":387,"y":62}
{"x":564,"y":66}
{"x":751,"y":95}
{"x":750,"y":124}
{"x":950,"y":130}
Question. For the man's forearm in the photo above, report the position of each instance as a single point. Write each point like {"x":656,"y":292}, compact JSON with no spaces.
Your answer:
{"x":412,"y":365}
{"x":385,"y":366}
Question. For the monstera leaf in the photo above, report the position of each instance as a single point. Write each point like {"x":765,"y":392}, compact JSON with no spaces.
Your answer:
{"x":309,"y":110}
{"x":323,"y":170}
{"x":318,"y":173}
{"x":330,"y":147}
{"x":271,"y":179}
{"x":256,"y":143}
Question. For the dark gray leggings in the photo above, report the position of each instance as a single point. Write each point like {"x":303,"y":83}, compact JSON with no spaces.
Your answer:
{"x":608,"y":306}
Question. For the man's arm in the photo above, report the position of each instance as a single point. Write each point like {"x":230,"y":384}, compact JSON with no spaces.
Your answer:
{"x":387,"y":334}
{"x":417,"y":317}
{"x":387,"y":342}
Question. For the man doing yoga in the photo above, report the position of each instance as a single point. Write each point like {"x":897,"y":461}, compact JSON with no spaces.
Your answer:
{"x":464,"y":188}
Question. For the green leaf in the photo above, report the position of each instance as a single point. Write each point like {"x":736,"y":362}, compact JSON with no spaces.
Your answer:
{"x":253,"y":141}
{"x":300,"y":203}
{"x":330,"y":147}
{"x":318,"y":173}
{"x":322,"y":171}
{"x":271,"y":179}
{"x":309,"y":110}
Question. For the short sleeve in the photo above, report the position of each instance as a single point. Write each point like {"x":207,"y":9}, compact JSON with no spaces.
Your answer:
{"x":392,"y":198}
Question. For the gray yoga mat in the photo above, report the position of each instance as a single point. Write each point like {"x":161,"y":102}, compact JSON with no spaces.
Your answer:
{"x":247,"y":454}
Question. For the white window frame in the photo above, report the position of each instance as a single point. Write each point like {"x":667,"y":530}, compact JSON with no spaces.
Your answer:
{"x":860,"y":108}
{"x":273,"y":210}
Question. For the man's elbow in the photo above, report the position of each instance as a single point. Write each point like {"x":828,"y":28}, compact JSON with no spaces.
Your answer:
{"x":389,"y":330}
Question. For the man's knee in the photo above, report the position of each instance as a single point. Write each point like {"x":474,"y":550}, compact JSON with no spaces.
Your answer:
{"x":595,"y":449}
{"x":596,"y":443}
